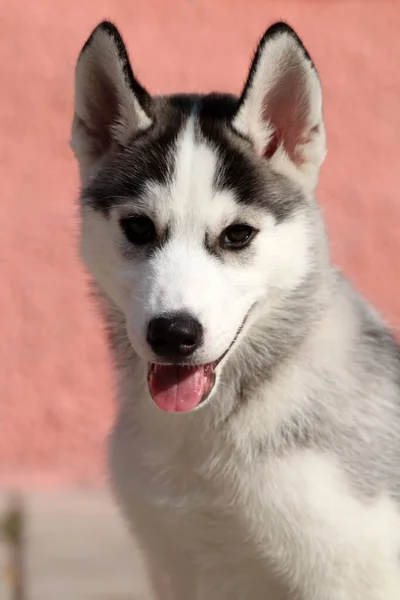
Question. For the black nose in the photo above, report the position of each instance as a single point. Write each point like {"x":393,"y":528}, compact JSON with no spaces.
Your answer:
{"x":174,"y":335}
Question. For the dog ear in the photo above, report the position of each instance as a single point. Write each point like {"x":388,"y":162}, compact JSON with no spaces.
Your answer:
{"x":280,"y":109}
{"x":110,"y":104}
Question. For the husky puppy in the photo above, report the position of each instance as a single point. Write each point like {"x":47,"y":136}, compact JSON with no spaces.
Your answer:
{"x":256,"y":451}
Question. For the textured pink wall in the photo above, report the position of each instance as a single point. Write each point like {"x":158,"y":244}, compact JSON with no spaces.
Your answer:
{"x":55,"y":383}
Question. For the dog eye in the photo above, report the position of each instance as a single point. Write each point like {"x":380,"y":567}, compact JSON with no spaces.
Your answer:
{"x":237,"y":236}
{"x":138,"y":230}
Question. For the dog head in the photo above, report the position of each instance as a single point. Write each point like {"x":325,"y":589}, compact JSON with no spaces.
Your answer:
{"x":196,"y":210}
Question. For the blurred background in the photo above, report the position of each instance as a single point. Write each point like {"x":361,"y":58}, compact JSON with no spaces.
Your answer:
{"x":56,"y":400}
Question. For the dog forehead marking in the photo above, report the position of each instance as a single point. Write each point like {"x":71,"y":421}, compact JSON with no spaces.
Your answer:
{"x":195,"y":165}
{"x":189,"y":200}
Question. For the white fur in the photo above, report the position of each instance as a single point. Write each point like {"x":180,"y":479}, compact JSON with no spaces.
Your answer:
{"x":223,"y":525}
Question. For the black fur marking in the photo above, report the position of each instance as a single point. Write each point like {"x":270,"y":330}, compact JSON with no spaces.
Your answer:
{"x":215,"y":106}
{"x":150,"y":157}
{"x":248,"y":176}
{"x":211,"y":248}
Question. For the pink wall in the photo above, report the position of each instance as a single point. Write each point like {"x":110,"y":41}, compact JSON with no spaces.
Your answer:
{"x":55,"y":383}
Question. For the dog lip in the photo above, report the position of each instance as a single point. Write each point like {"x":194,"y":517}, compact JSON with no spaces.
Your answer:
{"x":207,"y":366}
{"x":211,"y":366}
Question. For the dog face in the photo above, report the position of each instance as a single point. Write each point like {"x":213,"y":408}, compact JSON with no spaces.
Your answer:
{"x":196,"y":211}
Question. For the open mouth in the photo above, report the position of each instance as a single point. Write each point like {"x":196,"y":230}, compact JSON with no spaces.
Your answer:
{"x":181,"y":388}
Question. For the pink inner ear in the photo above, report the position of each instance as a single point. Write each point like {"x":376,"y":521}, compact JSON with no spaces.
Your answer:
{"x":286,"y":108}
{"x":272,"y":146}
{"x":102,"y":111}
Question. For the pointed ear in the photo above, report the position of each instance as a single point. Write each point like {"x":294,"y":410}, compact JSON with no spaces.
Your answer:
{"x":110,"y":104}
{"x":280,"y":109}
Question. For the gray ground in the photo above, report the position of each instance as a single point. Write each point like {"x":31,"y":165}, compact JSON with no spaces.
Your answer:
{"x":76,"y":549}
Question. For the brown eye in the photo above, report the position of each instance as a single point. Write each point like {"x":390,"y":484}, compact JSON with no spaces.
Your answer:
{"x":237,"y":236}
{"x":138,"y":230}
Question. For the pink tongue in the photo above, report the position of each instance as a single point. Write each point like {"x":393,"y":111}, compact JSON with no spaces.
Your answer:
{"x":175,"y":388}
